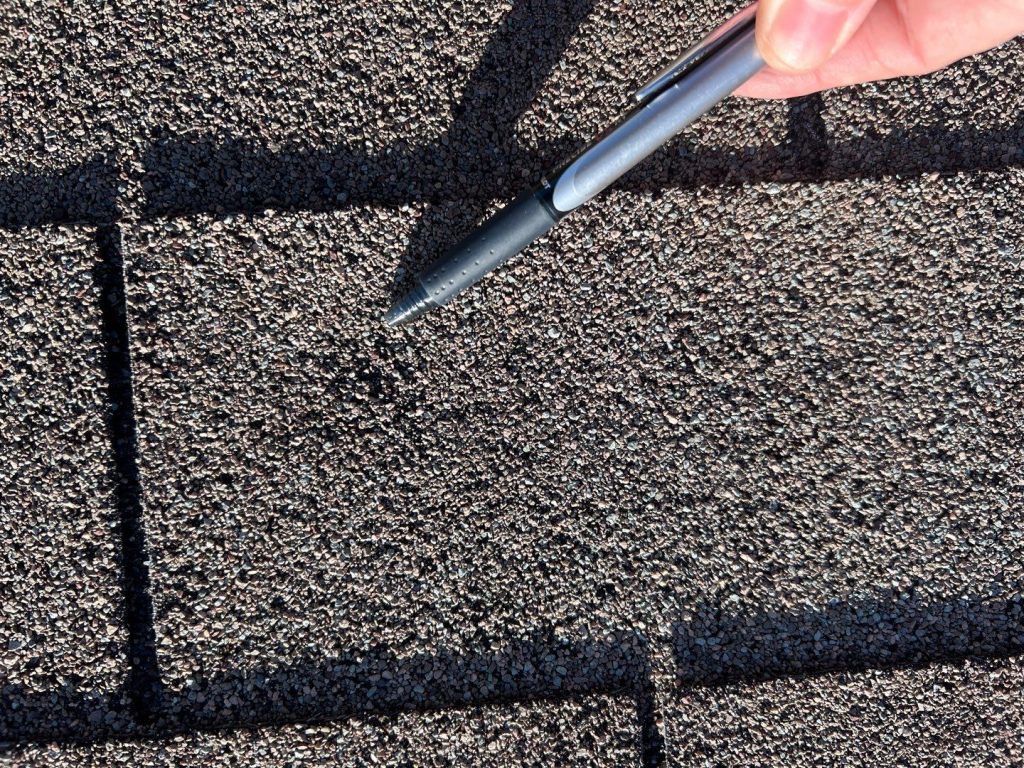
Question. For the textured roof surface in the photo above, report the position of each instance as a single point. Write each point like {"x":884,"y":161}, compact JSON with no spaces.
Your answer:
{"x":725,"y":470}
{"x":936,"y":715}
{"x":603,"y":732}
{"x":61,"y":634}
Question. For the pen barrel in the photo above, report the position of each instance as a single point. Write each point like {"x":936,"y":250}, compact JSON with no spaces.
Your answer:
{"x":655,"y":122}
{"x":506,"y":233}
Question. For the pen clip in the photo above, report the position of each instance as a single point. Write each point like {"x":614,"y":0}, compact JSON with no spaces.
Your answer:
{"x":689,"y":60}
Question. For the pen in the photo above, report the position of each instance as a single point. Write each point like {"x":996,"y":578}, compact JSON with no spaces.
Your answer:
{"x":664,"y":106}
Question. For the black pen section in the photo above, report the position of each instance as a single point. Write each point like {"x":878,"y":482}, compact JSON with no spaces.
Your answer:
{"x":506,"y":233}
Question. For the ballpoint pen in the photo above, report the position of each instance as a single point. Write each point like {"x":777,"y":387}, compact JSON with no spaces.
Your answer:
{"x":668,"y":103}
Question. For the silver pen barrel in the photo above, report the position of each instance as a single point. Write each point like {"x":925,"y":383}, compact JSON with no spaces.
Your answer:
{"x":679,"y":103}
{"x":695,"y":55}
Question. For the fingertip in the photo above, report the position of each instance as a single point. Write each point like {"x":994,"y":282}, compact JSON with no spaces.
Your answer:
{"x":798,"y":36}
{"x":768,"y":48}
{"x":766,"y":12}
{"x":775,"y":85}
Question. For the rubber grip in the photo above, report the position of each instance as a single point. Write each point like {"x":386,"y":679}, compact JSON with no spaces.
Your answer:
{"x":497,"y":240}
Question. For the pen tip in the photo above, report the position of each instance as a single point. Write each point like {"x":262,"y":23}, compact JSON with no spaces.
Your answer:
{"x":408,"y":308}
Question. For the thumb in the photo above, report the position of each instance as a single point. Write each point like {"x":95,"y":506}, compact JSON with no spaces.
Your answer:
{"x":801,"y":35}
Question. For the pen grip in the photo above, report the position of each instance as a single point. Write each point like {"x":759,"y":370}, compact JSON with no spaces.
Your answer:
{"x":494,"y":242}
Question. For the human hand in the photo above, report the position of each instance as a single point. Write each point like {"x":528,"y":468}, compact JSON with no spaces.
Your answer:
{"x":811,"y":45}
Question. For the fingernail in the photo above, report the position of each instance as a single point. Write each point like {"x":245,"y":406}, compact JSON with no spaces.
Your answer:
{"x":805,"y":32}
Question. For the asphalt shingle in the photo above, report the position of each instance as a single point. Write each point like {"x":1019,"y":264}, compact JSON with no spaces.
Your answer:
{"x":968,"y":116}
{"x":57,"y":128}
{"x":299,"y":514}
{"x":969,"y":714}
{"x":715,"y":428}
{"x":772,"y":398}
{"x":416,"y":102}
{"x":62,"y":635}
{"x":600,"y":731}
{"x":309,"y":113}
